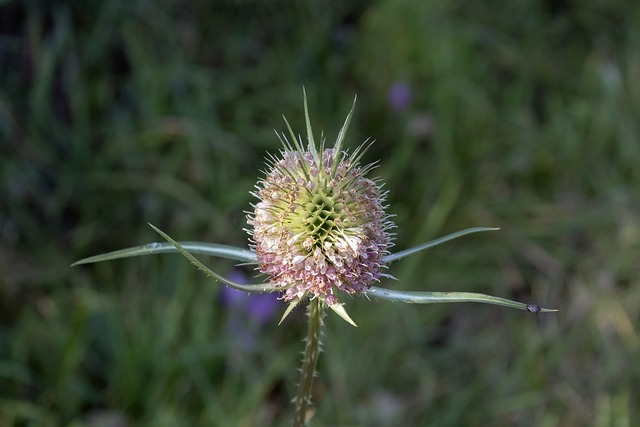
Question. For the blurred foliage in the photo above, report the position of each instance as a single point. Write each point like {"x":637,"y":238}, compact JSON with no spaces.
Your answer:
{"x":523,"y":114}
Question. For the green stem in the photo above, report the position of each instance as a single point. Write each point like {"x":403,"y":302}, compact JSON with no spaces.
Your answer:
{"x":302,"y":401}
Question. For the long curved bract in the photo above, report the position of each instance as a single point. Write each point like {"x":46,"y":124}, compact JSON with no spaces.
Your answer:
{"x":445,"y":297}
{"x":249,"y":257}
{"x":201,"y":248}
{"x":246,"y":255}
{"x":259,"y":288}
{"x":436,"y":242}
{"x":185,"y":249}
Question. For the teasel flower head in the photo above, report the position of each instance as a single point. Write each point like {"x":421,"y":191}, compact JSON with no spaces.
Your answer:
{"x":320,"y":225}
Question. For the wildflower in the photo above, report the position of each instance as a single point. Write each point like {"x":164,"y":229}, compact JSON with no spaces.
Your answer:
{"x":255,"y":308}
{"x":247,"y":315}
{"x":320,"y":224}
{"x":399,"y":96}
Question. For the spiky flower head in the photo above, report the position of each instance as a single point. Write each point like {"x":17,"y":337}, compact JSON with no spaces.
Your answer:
{"x":320,"y":225}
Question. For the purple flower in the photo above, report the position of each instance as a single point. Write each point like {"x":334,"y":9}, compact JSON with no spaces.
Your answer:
{"x":399,"y":96}
{"x":258,"y":308}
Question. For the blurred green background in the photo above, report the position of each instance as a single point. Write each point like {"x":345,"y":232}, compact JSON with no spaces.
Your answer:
{"x":518,"y":114}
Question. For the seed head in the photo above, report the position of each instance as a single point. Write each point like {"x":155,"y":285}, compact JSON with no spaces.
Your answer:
{"x":320,"y":225}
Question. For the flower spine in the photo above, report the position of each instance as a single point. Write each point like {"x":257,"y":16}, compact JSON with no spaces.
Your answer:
{"x":320,"y":225}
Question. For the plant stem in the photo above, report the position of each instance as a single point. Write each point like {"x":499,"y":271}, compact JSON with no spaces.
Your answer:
{"x":302,"y":401}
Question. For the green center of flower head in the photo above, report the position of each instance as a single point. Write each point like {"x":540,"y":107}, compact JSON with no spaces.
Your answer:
{"x":319,"y":216}
{"x":319,"y":225}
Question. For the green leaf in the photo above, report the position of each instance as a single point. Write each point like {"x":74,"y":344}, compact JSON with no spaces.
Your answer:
{"x":212,"y":249}
{"x":436,"y":242}
{"x":444,"y":297}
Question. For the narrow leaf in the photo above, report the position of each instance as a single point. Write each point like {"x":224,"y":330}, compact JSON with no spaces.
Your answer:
{"x":444,"y":297}
{"x":436,"y":242}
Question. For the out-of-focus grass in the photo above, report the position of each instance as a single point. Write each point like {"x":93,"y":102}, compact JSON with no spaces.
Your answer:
{"x":524,"y":115}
